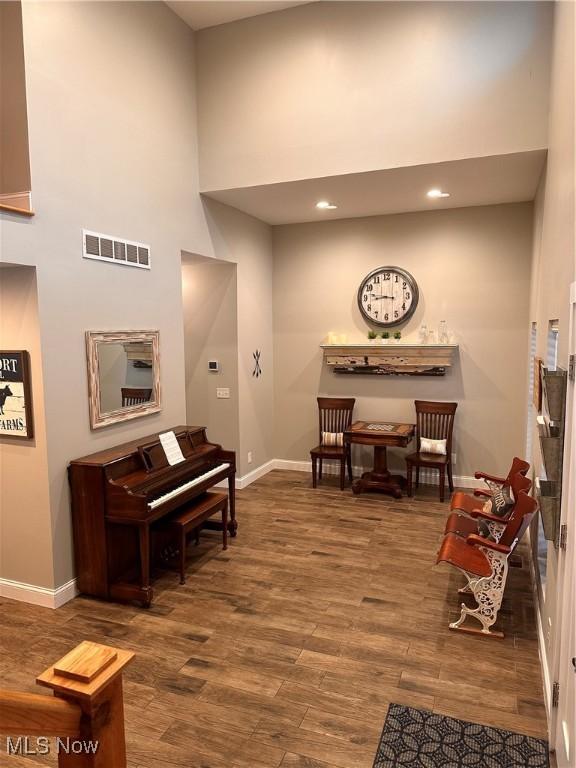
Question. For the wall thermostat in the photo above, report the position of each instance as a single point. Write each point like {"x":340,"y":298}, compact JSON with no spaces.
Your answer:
{"x":213,"y":366}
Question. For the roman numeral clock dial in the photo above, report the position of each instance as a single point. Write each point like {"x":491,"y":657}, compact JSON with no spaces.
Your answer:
{"x":388,"y":296}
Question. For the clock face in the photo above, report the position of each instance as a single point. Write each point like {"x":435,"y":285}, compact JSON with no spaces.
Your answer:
{"x":388,"y":296}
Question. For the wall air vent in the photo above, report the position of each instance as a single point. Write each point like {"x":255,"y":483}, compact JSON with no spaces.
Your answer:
{"x":115,"y":250}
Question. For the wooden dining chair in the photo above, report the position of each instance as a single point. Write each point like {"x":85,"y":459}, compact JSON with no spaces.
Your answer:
{"x":334,"y":417}
{"x":135,"y":396}
{"x":434,"y":421}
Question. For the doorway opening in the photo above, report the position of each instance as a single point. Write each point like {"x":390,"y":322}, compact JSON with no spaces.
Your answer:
{"x":209,"y":302}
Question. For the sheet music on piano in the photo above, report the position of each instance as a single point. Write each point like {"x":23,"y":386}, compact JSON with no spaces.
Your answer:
{"x":171,"y":447}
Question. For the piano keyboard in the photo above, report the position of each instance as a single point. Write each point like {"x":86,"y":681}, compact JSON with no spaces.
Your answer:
{"x":186,"y":486}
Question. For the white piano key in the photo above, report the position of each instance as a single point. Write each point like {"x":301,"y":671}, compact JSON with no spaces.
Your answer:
{"x":186,"y":486}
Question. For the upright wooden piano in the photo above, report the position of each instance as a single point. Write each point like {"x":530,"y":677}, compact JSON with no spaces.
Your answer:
{"x":117,"y":494}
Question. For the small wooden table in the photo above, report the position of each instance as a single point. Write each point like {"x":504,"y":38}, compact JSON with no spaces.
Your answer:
{"x":380,"y":434}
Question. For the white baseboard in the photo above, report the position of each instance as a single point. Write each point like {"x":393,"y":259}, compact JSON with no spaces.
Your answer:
{"x":427,"y":476}
{"x":42,"y":596}
{"x":255,"y":474}
{"x":302,"y":466}
{"x":245,"y":480}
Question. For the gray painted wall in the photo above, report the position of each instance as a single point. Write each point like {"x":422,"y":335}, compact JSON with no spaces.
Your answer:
{"x":113,"y":149}
{"x":340,"y":87}
{"x":472,"y":266}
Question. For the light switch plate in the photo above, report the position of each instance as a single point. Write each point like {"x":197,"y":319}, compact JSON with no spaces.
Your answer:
{"x":222,"y":393}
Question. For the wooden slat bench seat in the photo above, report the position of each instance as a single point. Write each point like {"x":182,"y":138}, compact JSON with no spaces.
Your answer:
{"x":464,"y":502}
{"x":484,"y":563}
{"x":465,"y":524}
{"x":193,"y":516}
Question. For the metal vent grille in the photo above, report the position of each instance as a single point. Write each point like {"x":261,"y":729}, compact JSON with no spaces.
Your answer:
{"x":120,"y":251}
{"x":106,"y":248}
{"x":115,"y":250}
{"x":92,"y":245}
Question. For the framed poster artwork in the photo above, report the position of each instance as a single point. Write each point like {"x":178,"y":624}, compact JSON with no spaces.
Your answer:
{"x":537,"y":384}
{"x":15,"y":395}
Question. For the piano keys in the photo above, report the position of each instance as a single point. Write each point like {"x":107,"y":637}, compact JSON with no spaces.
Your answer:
{"x":180,"y":489}
{"x":118,"y":494}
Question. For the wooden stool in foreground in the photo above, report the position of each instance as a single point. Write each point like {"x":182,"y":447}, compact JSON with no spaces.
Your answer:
{"x":192,"y":518}
{"x":87,"y":713}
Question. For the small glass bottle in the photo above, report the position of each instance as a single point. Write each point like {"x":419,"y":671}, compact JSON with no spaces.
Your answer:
{"x":443,"y":337}
{"x":424,"y":334}
{"x":431,"y":336}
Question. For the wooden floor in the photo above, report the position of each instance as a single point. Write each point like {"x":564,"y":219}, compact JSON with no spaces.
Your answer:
{"x":287,"y":649}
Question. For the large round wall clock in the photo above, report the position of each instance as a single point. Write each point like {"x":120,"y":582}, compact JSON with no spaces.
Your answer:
{"x":388,"y":296}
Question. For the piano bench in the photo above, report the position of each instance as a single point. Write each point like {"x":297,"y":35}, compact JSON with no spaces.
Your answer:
{"x":192,"y":517}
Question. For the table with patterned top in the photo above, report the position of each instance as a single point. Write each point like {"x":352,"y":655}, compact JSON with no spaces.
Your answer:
{"x":380,"y":434}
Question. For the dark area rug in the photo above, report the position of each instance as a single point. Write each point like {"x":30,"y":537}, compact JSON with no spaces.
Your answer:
{"x":416,"y":738}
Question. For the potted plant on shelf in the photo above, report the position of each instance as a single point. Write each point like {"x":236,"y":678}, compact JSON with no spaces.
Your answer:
{"x":372,"y":336}
{"x":385,"y":337}
{"x":397,"y":337}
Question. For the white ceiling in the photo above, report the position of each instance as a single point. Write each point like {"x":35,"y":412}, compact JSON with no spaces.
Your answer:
{"x":209,"y":13}
{"x":474,"y":181}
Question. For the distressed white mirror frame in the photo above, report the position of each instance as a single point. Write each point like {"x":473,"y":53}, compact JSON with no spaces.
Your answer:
{"x":93,"y":340}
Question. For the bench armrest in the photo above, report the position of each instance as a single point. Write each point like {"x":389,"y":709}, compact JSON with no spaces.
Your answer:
{"x":478,"y":541}
{"x":482,"y":492}
{"x":493,"y":478}
{"x":475,"y":513}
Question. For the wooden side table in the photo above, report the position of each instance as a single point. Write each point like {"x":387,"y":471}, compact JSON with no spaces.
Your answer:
{"x":380,"y":434}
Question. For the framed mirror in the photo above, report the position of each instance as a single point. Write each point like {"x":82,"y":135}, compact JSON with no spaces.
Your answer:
{"x":123,"y":375}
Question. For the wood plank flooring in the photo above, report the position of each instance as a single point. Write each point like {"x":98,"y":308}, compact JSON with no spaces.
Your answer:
{"x":286,"y":650}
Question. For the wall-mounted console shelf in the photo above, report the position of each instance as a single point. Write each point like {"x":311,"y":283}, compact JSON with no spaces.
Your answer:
{"x":390,"y":359}
{"x":551,"y":435}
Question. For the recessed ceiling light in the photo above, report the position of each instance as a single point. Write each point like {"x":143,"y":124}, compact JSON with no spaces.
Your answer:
{"x":325,"y":205}
{"x":436,"y":193}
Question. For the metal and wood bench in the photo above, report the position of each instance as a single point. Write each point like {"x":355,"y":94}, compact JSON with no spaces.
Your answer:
{"x":477,"y":519}
{"x":192,"y":517}
{"x":484,"y":563}
{"x":464,"y":502}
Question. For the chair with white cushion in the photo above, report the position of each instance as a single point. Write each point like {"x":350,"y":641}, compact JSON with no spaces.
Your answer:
{"x":434,"y":428}
{"x":334,"y":418}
